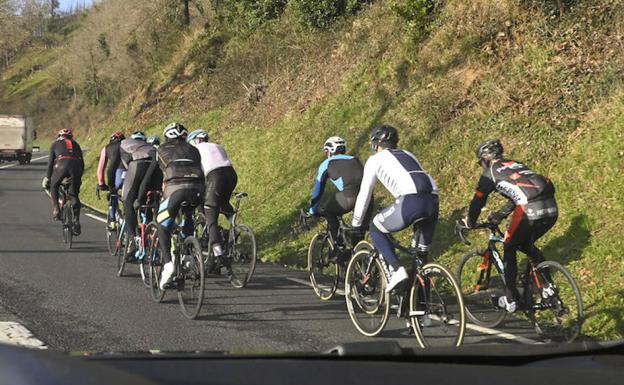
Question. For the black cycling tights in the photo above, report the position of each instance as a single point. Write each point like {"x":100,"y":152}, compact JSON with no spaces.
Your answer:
{"x":67,"y":169}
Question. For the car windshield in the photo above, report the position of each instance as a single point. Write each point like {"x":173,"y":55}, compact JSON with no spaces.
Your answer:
{"x":291,"y":176}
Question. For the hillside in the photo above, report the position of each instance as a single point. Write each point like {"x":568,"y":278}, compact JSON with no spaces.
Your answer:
{"x":270,"y":87}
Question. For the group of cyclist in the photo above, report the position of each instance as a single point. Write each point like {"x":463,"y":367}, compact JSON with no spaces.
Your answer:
{"x":189,"y":169}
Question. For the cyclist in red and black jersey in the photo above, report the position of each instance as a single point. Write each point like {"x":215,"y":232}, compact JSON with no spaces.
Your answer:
{"x":532,"y":205}
{"x":65,"y":160}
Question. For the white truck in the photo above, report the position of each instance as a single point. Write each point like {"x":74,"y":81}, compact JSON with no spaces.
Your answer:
{"x":16,"y":138}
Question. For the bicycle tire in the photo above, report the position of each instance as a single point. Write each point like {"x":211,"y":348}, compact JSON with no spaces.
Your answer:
{"x":111,"y":241}
{"x":190,"y":305}
{"x":477,"y":299}
{"x":365,"y":292}
{"x":68,"y":226}
{"x":450,"y":296}
{"x":242,"y":276}
{"x":122,"y":249}
{"x":144,"y":266}
{"x":324,"y":285}
{"x":155,"y":265}
{"x":556,"y":305}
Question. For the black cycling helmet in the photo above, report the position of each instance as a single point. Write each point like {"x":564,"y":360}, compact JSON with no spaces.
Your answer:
{"x":384,"y":135}
{"x":490,"y":149}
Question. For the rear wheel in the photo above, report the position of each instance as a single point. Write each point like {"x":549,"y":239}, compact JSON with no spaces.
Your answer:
{"x":111,"y":240}
{"x":155,"y":263}
{"x":437,"y":308}
{"x":480,"y":281}
{"x":368,"y":303}
{"x":68,"y":224}
{"x":191,"y":278}
{"x":560,"y":316}
{"x":243,"y":256}
{"x":122,"y":249}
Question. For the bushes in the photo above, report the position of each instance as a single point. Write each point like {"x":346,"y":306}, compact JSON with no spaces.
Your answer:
{"x":417,"y":13}
{"x":322,"y":13}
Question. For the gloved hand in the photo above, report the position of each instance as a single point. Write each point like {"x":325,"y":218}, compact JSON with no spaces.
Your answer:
{"x":495,"y":218}
{"x":102,"y":187}
{"x":45,"y":183}
{"x":464,"y":222}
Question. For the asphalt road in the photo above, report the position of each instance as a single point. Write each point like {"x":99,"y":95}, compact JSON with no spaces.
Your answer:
{"x":73,"y":301}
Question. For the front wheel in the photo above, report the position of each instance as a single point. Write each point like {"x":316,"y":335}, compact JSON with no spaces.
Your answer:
{"x":243,"y":256}
{"x":437,"y":308}
{"x":191,"y":278}
{"x":557,"y":308}
{"x":154,"y":261}
{"x":480,"y":281}
{"x":368,"y":303}
{"x":323,"y":272}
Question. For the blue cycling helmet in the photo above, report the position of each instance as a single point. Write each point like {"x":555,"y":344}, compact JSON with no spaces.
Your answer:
{"x":197,"y":134}
{"x":154,"y":140}
{"x":138,"y":135}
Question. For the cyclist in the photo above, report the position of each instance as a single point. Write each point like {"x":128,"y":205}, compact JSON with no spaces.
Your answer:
{"x":345,"y":172}
{"x":221,"y":180}
{"x":416,"y":201}
{"x":136,"y":156}
{"x":112,"y":170}
{"x":531,"y":200}
{"x":65,"y":160}
{"x":180,"y":163}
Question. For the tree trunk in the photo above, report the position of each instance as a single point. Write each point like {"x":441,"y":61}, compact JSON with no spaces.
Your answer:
{"x":187,"y":13}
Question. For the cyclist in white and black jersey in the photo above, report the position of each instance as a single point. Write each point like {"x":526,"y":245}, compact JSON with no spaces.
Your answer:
{"x":416,"y":196}
{"x":221,"y":180}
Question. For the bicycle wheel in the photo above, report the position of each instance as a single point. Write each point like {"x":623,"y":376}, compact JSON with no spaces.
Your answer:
{"x":111,"y":240}
{"x":150,"y":234}
{"x":155,"y":264}
{"x":323,"y":273}
{"x":191,"y":278}
{"x":437,"y":308}
{"x":68,"y":224}
{"x":122,"y":249}
{"x":480,"y":282}
{"x":243,"y":254}
{"x":560,"y":316}
{"x":201,"y":233}
{"x":368,"y":303}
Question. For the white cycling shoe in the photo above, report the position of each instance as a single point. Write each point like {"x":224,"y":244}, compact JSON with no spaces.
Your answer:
{"x":396,"y":277}
{"x":166,"y":274}
{"x":511,"y":307}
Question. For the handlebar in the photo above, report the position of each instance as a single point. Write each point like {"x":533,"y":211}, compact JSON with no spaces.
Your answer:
{"x":461,"y":229}
{"x":303,"y":219}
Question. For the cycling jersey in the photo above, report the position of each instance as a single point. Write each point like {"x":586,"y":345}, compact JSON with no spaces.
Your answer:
{"x":344,"y":171}
{"x":399,"y":171}
{"x":213,"y":156}
{"x":110,"y":162}
{"x":180,"y":162}
{"x":134,"y":149}
{"x":526,"y":191}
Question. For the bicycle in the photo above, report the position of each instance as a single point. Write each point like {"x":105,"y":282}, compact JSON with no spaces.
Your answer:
{"x":112,"y":226}
{"x":548,"y":292}
{"x":66,"y":212}
{"x":327,"y":258}
{"x":436,"y":308}
{"x":146,"y":213}
{"x":188,"y":277}
{"x":239,"y":254}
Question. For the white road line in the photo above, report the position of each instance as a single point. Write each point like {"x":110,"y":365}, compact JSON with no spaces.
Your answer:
{"x":96,"y":217}
{"x":15,"y":164}
{"x":476,"y":328}
{"x":13,"y":333}
{"x":304,"y":282}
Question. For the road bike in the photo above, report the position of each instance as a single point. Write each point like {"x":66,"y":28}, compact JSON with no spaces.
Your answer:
{"x":240,"y":253}
{"x":112,"y":226}
{"x":549,"y":295}
{"x":430,"y":300}
{"x":66,"y":212}
{"x":188,"y":277}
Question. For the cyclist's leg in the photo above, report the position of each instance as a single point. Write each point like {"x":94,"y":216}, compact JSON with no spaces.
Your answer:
{"x":167,"y":213}
{"x":120,"y":174}
{"x":230,"y":181}
{"x":517,"y":235}
{"x":59,"y":172}
{"x":216,"y":195}
{"x":331,"y":210}
{"x":134,"y":176}
{"x":431,"y":204}
{"x":75,"y":172}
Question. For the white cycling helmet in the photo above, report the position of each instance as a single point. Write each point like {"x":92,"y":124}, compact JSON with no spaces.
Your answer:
{"x":197,"y":134}
{"x":174,"y":131}
{"x":335,"y":145}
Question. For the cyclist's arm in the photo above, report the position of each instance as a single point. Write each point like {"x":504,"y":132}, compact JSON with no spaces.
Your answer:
{"x":366,"y":192}
{"x":504,"y":211}
{"x":319,"y":186}
{"x":114,"y":163}
{"x":101,"y":167}
{"x":484,"y":188}
{"x":51,"y":159}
